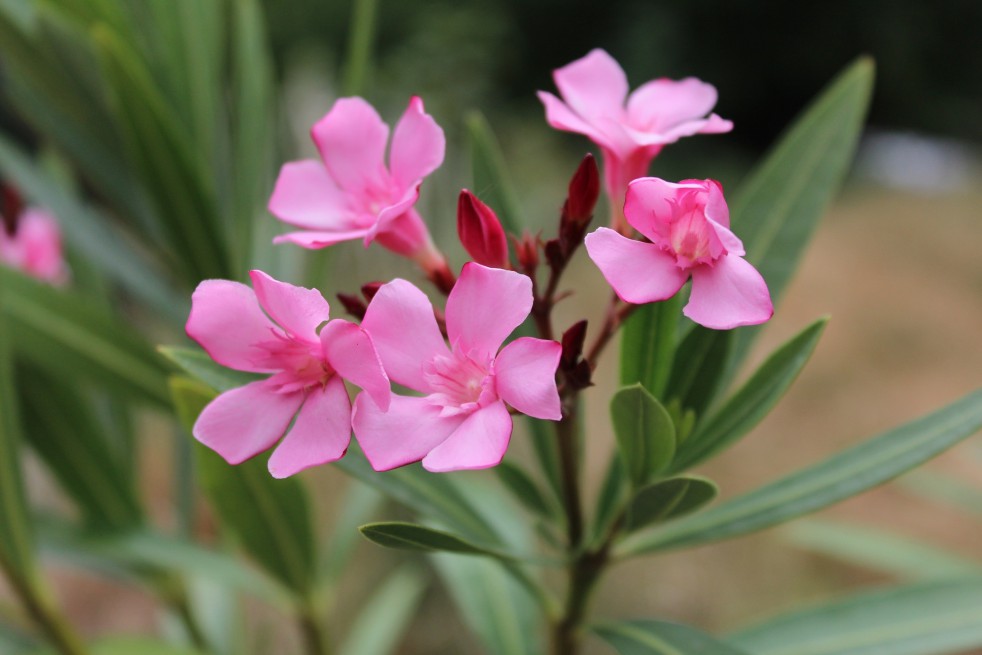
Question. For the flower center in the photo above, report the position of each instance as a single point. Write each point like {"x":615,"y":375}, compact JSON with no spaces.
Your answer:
{"x":461,"y":382}
{"x":301,"y":364}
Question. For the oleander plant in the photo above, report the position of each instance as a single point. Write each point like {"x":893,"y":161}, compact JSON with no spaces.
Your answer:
{"x":154,"y":200}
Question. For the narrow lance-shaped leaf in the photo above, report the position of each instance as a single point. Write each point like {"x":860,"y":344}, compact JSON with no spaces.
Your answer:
{"x":753,"y":401}
{"x":16,"y":539}
{"x":776,"y":210}
{"x":644,"y":430}
{"x":411,"y":536}
{"x":661,"y":638}
{"x":62,"y":331}
{"x":524,"y":489}
{"x":698,"y":368}
{"x":925,"y":619}
{"x":669,"y":499}
{"x":270,"y":518}
{"x":648,"y":345}
{"x":200,"y":366}
{"x":843,"y":475}
{"x":879,"y":550}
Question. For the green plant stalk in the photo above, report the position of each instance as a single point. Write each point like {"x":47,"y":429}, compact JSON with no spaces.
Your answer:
{"x":358,"y":59}
{"x":43,"y":613}
{"x":315,"y":637}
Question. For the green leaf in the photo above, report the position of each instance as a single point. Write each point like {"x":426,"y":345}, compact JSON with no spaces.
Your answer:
{"x":648,"y":345}
{"x":925,"y":619}
{"x":841,"y":476}
{"x":63,"y":331}
{"x":543,"y":441}
{"x":432,"y":495}
{"x":492,"y":182}
{"x":92,"y":235}
{"x":16,"y":538}
{"x":613,"y":492}
{"x":384,"y":618}
{"x":879,"y":550}
{"x":61,"y":427}
{"x":753,"y":401}
{"x":358,"y":59}
{"x":941,"y":488}
{"x":776,"y":210}
{"x":524,"y":489}
{"x":644,"y":430}
{"x":200,"y":366}
{"x":410,"y":536}
{"x":698,"y":368}
{"x":270,"y":518}
{"x":496,"y":607}
{"x":669,"y":499}
{"x":163,"y":153}
{"x":141,"y":645}
{"x":661,"y":638}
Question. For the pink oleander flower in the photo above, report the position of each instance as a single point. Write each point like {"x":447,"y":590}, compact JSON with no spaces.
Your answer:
{"x":462,"y":421}
{"x":630,"y":130}
{"x":274,"y":329}
{"x":351,"y":193}
{"x":688,"y":225}
{"x":34,"y":246}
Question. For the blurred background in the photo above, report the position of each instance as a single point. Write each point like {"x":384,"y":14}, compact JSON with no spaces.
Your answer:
{"x":895,"y":262}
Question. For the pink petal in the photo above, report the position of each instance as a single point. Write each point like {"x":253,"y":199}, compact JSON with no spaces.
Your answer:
{"x":525,"y":377}
{"x":40,"y":251}
{"x":351,"y":139}
{"x":350,"y":352}
{"x":245,"y":421}
{"x":315,"y":240}
{"x":716,"y":207}
{"x":228,"y":323}
{"x":384,"y":221}
{"x":660,"y":105}
{"x":561,"y":117}
{"x":638,"y":272}
{"x":485,"y":306}
{"x":297,"y":310}
{"x":320,"y":434}
{"x":402,"y":326}
{"x":727,"y":294}
{"x":306,"y":196}
{"x":406,"y":433}
{"x":648,"y":205}
{"x":594,"y":86}
{"x":479,"y":443}
{"x":418,"y":146}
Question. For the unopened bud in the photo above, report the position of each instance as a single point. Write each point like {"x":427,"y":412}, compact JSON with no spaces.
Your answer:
{"x":527,"y":252}
{"x":353,"y":305}
{"x":573,"y":340}
{"x":584,"y":190}
{"x":369,"y":289}
{"x":11,"y":206}
{"x":554,"y":254}
{"x":481,"y":232}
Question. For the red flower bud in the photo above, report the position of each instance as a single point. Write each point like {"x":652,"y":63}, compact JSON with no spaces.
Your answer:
{"x":527,"y":252}
{"x":555,"y":255}
{"x":369,"y":289}
{"x":10,"y":207}
{"x":584,"y":190}
{"x":573,"y":340}
{"x":353,"y":305}
{"x":481,"y":232}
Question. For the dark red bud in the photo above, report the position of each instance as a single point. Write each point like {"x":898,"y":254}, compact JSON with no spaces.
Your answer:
{"x":527,"y":251}
{"x":481,"y":232}
{"x":554,"y":254}
{"x":584,"y":190}
{"x":573,"y":340}
{"x":369,"y":290}
{"x":580,"y":376}
{"x":11,"y":206}
{"x":353,"y":305}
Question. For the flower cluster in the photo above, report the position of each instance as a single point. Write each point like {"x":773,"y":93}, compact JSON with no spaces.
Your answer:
{"x":469,"y":379}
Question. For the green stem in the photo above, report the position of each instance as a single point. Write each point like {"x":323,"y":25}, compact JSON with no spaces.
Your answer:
{"x":569,"y":472}
{"x":360,"y":47}
{"x":315,"y":636}
{"x":45,"y":616}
